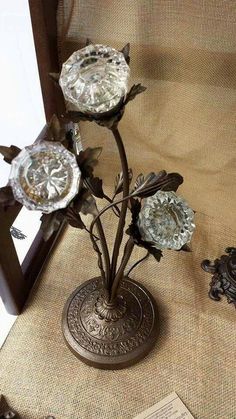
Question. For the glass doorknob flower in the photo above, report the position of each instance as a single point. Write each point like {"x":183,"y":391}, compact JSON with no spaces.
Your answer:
{"x":95,"y":78}
{"x":44,"y":176}
{"x":166,"y":220}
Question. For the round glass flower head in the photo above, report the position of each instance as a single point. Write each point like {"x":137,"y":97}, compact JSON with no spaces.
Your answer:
{"x":44,"y":176}
{"x":95,"y":78}
{"x":166,"y":220}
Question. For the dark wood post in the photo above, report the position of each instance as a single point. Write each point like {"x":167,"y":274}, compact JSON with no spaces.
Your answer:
{"x":17,"y":280}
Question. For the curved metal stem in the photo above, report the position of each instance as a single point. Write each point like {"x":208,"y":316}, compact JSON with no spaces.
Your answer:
{"x":137,"y":263}
{"x":116,"y":210}
{"x":127,"y":253}
{"x":121,"y":224}
{"x":96,"y":218}
{"x":113,"y":204}
{"x":100,"y":263}
{"x":104,"y":251}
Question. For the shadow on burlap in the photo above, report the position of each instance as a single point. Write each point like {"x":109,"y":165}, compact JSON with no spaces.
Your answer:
{"x":193,"y":355}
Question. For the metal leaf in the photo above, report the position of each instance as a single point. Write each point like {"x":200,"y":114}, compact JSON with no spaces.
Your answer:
{"x":109,"y":121}
{"x":155,"y":182}
{"x":6,"y":197}
{"x":157,"y":253}
{"x":94,"y":184}
{"x":144,"y":182}
{"x":9,"y":153}
{"x":85,"y":203}
{"x":135,"y":90}
{"x":119,"y":182}
{"x":55,"y":77}
{"x":89,"y":206}
{"x":139,"y":181}
{"x":88,"y":159}
{"x":55,"y":130}
{"x":125,"y":50}
{"x":51,"y":223}
{"x":186,"y":248}
{"x":74,"y":219}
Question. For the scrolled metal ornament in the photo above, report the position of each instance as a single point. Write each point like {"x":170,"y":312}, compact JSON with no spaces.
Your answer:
{"x":223,"y":281}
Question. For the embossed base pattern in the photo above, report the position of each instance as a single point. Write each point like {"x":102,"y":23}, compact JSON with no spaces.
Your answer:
{"x":106,"y":336}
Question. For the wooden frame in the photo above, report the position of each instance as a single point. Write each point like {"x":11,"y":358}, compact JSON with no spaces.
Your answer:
{"x":17,"y":280}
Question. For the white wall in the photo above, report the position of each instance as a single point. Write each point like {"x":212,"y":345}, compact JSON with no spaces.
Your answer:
{"x":21,"y":110}
{"x":21,"y":107}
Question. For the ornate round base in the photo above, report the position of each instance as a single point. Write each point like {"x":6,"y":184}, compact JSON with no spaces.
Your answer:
{"x":110,"y":336}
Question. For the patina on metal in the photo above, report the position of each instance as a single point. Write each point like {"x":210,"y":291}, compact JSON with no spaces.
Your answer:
{"x":110,"y":335}
{"x":223,"y":281}
{"x":110,"y":321}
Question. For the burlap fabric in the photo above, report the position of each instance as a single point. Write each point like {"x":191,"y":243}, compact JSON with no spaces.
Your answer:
{"x":184,"y":52}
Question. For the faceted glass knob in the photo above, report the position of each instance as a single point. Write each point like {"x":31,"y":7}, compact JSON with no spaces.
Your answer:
{"x":44,"y":176}
{"x":95,"y":78}
{"x":166,"y":220}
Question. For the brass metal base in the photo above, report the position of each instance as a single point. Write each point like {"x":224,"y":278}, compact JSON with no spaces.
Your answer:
{"x":110,"y":336}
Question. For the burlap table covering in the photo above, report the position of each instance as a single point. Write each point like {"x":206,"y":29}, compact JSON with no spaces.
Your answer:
{"x":184,"y":52}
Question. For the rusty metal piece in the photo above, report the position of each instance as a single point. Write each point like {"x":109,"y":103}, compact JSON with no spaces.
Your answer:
{"x":223,"y":281}
{"x":110,"y":335}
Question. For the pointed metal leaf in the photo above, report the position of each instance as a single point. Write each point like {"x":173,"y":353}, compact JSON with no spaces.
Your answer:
{"x":9,"y":153}
{"x":135,"y":90}
{"x":119,"y":182}
{"x":55,"y":130}
{"x":88,"y":159}
{"x":51,"y":223}
{"x":85,"y":203}
{"x":74,"y":218}
{"x":186,"y":248}
{"x":153,"y":182}
{"x":94,"y":184}
{"x":125,"y":50}
{"x":88,"y":42}
{"x":55,"y":77}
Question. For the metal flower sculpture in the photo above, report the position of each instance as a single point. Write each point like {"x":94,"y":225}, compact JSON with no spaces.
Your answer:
{"x":109,"y":321}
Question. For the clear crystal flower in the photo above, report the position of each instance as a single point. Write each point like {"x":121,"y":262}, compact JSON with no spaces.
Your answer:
{"x":166,"y":220}
{"x":95,"y":78}
{"x":44,"y":176}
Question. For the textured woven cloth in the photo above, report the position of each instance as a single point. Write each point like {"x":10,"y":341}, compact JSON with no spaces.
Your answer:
{"x":184,"y":52}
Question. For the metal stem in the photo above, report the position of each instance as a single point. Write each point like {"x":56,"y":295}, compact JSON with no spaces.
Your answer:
{"x":121,"y":224}
{"x":97,"y":217}
{"x":127,"y":253}
{"x":104,"y":250}
{"x":137,"y":263}
{"x":115,"y":209}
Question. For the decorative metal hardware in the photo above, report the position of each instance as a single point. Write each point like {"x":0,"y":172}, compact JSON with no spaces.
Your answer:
{"x":17,"y":234}
{"x":6,"y":412}
{"x":223,"y":281}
